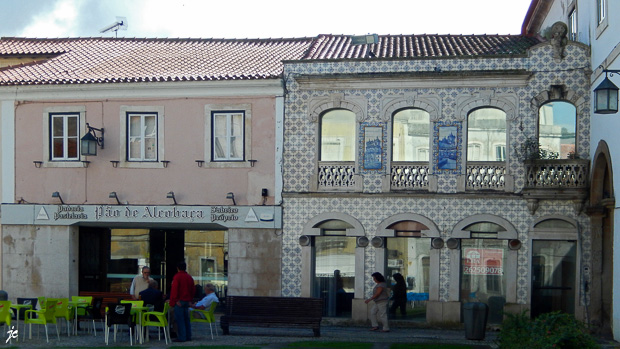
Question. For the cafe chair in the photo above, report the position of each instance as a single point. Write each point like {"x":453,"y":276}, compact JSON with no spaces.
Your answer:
{"x":65,"y":311}
{"x":94,"y":313}
{"x":5,"y":317}
{"x":119,"y":314}
{"x":45,"y":316}
{"x":205,"y":316}
{"x":29,"y":301}
{"x":157,"y":319}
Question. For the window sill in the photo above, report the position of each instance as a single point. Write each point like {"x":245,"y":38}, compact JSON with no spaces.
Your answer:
{"x":62,"y":164}
{"x":140,"y":164}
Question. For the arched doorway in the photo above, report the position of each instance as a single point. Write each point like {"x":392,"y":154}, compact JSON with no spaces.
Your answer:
{"x":602,"y":202}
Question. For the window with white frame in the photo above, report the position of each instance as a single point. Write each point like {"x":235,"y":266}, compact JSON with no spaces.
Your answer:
{"x":500,"y":152}
{"x":142,"y":136}
{"x":601,"y":11}
{"x":572,"y":24}
{"x":228,"y":133}
{"x":64,"y":136}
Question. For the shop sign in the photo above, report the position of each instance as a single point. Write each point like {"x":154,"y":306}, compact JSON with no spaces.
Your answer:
{"x":483,"y":261}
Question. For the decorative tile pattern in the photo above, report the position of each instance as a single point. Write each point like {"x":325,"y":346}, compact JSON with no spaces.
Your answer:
{"x":448,"y":205}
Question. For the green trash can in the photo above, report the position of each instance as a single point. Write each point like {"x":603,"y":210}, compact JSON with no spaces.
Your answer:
{"x":475,"y":318}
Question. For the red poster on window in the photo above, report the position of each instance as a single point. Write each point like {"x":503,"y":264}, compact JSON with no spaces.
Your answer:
{"x":483,"y":261}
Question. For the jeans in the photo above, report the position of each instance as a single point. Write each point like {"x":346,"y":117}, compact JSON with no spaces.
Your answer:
{"x":181,"y":315}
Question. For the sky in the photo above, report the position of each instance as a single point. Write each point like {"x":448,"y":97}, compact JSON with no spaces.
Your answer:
{"x":258,"y":18}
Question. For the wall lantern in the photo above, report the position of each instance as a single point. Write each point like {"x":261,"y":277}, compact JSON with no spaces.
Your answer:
{"x":88,"y":143}
{"x":606,"y":95}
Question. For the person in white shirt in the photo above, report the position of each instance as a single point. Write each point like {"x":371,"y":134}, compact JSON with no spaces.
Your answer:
{"x":205,"y":303}
{"x":140,"y":282}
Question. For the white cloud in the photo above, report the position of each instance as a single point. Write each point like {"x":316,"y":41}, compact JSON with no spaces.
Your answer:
{"x":60,"y":22}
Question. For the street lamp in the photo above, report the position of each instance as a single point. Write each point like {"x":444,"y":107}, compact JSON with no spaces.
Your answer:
{"x":606,"y":95}
{"x":90,"y":141}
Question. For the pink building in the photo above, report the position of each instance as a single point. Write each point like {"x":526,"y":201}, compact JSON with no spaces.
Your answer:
{"x":187,"y":164}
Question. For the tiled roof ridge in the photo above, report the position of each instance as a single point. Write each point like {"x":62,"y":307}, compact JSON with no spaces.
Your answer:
{"x":92,"y":38}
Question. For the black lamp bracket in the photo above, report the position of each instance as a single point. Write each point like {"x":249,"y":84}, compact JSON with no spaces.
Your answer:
{"x":92,"y":130}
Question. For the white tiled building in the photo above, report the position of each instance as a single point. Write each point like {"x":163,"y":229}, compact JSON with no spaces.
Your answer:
{"x":458,"y":214}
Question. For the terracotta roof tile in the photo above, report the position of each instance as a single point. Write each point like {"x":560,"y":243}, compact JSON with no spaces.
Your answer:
{"x":110,"y":60}
{"x":104,"y":60}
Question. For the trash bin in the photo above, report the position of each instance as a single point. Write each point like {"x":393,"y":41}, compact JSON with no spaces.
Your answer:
{"x":475,"y":318}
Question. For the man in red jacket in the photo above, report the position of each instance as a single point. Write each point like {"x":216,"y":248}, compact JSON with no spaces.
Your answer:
{"x":181,"y":293}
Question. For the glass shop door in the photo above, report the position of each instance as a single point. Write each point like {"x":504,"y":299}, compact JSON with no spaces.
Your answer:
{"x":554,"y":272}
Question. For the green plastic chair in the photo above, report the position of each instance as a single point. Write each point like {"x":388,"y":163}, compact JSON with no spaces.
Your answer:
{"x":43,"y":317}
{"x":5,"y":316}
{"x":83,"y":304}
{"x":205,"y":316}
{"x":157,"y":319}
{"x":65,"y":311}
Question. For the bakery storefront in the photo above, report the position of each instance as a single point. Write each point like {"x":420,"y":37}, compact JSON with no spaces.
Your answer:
{"x":102,"y":247}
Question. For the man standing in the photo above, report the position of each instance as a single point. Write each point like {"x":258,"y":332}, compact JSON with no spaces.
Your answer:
{"x":181,"y":293}
{"x":140,"y":282}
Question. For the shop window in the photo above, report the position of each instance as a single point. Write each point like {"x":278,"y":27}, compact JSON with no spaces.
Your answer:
{"x":64,"y":136}
{"x":338,"y":136}
{"x":410,"y":135}
{"x":408,"y":254}
{"x":486,"y":127}
{"x":553,"y":276}
{"x":206,"y":253}
{"x":557,"y":123}
{"x":334,"y":273}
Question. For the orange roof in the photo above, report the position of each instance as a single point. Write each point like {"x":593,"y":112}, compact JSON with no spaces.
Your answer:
{"x":110,"y":60}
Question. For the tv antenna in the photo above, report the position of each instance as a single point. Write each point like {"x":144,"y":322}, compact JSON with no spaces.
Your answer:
{"x":120,"y":24}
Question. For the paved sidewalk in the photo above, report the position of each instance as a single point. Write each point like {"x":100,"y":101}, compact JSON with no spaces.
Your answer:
{"x":263,"y":337}
{"x":272,"y":338}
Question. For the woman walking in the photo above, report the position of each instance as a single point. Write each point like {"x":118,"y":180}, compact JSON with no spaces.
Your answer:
{"x":379,"y":308}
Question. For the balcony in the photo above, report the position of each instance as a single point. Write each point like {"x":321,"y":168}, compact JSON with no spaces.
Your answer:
{"x":409,"y":176}
{"x":566,"y":179}
{"x":486,"y":176}
{"x":336,"y":176}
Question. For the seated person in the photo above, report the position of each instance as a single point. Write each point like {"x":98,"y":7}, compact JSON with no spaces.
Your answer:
{"x":153,"y":296}
{"x":205,"y":303}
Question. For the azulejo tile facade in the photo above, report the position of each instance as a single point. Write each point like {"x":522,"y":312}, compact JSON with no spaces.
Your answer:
{"x":448,"y":89}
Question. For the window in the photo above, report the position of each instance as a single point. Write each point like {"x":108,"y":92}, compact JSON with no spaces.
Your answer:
{"x":500,"y":152}
{"x":557,"y":122}
{"x":572,"y":25}
{"x":142,"y":136}
{"x":228,"y":136}
{"x":338,"y":136}
{"x":64,"y":137}
{"x":410,"y":135}
{"x":486,"y":128}
{"x":601,"y":11}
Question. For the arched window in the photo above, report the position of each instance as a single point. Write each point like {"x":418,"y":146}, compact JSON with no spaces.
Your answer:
{"x":338,"y":136}
{"x":557,"y":123}
{"x":410,"y":135}
{"x":486,"y":135}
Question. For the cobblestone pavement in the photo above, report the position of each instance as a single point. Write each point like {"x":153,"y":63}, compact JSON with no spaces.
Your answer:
{"x":268,"y":337}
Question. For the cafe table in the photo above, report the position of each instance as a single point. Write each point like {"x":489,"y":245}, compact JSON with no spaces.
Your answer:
{"x":77,"y":304}
{"x":137,"y":312}
{"x":17,"y":308}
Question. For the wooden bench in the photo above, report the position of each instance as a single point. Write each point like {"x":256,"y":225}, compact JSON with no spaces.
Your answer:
{"x":273,"y":312}
{"x":108,"y":297}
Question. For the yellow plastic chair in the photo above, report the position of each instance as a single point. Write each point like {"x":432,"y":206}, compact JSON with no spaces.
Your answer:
{"x":65,"y":311}
{"x":5,"y":317}
{"x":205,"y":316}
{"x":43,"y":317}
{"x":157,"y":319}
